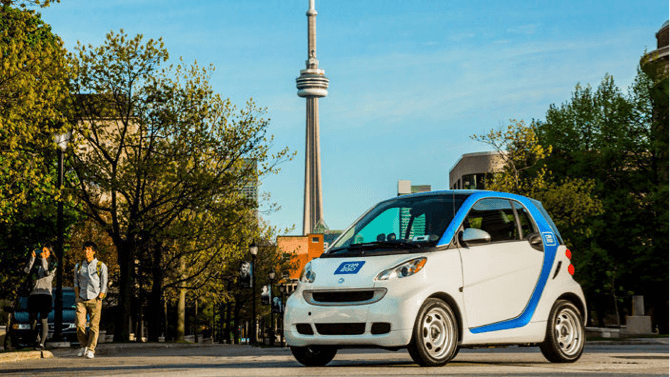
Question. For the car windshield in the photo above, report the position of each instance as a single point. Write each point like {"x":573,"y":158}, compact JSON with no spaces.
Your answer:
{"x":407,"y":222}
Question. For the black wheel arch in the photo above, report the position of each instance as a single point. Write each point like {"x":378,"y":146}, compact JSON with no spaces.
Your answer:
{"x":577,"y":301}
{"x":454,"y":306}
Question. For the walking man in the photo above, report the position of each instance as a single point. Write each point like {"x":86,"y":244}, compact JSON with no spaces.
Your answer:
{"x":90,"y":287}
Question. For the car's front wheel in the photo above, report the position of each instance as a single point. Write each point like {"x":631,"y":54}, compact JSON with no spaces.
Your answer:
{"x":314,"y":356}
{"x":435,"y":336}
{"x":564,"y":341}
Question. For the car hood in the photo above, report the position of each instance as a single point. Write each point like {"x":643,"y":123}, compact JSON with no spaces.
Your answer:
{"x":355,"y":272}
{"x":24,"y":317}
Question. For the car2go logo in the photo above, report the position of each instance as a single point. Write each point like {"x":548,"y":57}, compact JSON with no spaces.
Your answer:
{"x":349,"y":268}
{"x":549,"y":239}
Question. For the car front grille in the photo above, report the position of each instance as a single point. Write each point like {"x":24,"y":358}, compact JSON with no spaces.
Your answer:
{"x":344,"y":297}
{"x":340,"y":328}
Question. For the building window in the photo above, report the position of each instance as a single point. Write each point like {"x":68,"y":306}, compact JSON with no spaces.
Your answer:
{"x":475,"y":181}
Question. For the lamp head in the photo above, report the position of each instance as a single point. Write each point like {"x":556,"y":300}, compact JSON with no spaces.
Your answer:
{"x":253,"y":248}
{"x":62,"y":139}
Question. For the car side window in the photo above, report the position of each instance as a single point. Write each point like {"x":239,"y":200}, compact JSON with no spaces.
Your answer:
{"x":496,"y":217}
{"x":525,"y":220}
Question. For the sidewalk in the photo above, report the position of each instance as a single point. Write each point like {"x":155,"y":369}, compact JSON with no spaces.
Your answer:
{"x":109,"y":349}
{"x":8,"y":357}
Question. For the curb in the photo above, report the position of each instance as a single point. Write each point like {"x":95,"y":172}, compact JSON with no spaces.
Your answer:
{"x":8,"y":357}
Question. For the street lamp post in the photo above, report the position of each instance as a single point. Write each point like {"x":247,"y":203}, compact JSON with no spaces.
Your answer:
{"x":272,"y":316}
{"x":282,"y":290}
{"x":61,"y":140}
{"x":253,"y":250}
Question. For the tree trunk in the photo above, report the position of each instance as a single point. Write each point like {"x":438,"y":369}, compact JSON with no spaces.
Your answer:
{"x":181,"y":314}
{"x":181,"y":306}
{"x":165,"y":316}
{"x":236,"y":324}
{"x":197,"y":323}
{"x":155,"y":307}
{"x":122,"y":319}
{"x":226,"y":328}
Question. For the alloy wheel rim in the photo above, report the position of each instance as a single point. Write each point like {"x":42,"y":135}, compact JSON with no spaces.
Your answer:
{"x":437,"y":330}
{"x":568,"y":332}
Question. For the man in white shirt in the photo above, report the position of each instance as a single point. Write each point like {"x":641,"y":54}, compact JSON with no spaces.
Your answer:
{"x":90,"y":287}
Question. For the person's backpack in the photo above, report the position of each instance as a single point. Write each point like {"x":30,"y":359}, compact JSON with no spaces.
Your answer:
{"x":98,"y":268}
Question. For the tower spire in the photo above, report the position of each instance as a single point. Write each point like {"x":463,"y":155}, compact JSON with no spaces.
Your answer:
{"x":312,"y":84}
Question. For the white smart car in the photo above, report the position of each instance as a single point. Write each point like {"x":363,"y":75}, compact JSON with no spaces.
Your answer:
{"x":434,"y":272}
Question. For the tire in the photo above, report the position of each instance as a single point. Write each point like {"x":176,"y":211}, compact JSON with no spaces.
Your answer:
{"x":435,"y":335}
{"x":314,"y":356}
{"x":458,"y":349}
{"x":564,"y":341}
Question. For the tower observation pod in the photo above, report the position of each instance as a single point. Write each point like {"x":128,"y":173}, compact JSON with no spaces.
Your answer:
{"x":312,"y":84}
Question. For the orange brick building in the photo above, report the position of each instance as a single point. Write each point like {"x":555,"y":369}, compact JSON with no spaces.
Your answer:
{"x":304,"y":249}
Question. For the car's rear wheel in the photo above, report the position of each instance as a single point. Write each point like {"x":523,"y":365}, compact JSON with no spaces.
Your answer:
{"x":564,"y":341}
{"x":435,"y":336}
{"x":314,"y":356}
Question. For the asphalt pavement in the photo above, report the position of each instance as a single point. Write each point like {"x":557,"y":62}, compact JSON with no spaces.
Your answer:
{"x":631,"y":357}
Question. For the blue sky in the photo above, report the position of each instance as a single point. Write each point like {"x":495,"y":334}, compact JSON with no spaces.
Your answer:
{"x":410,"y":81}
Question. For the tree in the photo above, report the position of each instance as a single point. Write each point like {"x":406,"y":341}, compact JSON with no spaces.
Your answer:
{"x":570,"y":201}
{"x":26,"y":3}
{"x":34,"y":95}
{"x":613,"y":139}
{"x":210,"y":285}
{"x":33,"y":91}
{"x":160,"y":156}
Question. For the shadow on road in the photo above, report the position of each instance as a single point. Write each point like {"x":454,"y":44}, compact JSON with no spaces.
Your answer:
{"x":190,"y":367}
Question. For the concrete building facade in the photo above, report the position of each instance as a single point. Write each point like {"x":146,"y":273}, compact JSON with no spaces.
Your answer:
{"x":655,"y":64}
{"x":661,"y":52}
{"x":472,"y":170}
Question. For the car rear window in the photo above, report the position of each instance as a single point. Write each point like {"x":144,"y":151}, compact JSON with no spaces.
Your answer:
{"x":546,"y":216}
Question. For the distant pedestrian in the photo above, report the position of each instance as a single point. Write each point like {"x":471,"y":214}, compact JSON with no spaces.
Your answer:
{"x":39,"y":299}
{"x":90,"y":287}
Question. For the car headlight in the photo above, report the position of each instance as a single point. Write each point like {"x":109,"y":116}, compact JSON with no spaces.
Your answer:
{"x":403,"y":270}
{"x":307,"y":275}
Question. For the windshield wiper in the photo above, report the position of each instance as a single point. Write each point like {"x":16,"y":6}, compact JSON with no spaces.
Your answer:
{"x":373,"y":245}
{"x":376,"y":244}
{"x":342,"y":251}
{"x":395,"y":244}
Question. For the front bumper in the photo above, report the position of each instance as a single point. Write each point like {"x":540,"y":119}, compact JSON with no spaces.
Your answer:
{"x":23,"y":336}
{"x":387,"y":322}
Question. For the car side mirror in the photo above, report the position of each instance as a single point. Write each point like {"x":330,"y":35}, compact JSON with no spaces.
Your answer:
{"x":535,"y":241}
{"x":472,"y":236}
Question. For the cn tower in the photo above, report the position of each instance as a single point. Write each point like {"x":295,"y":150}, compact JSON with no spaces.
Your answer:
{"x":312,"y":85}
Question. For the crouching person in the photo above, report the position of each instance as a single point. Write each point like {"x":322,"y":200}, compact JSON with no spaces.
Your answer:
{"x":90,"y":287}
